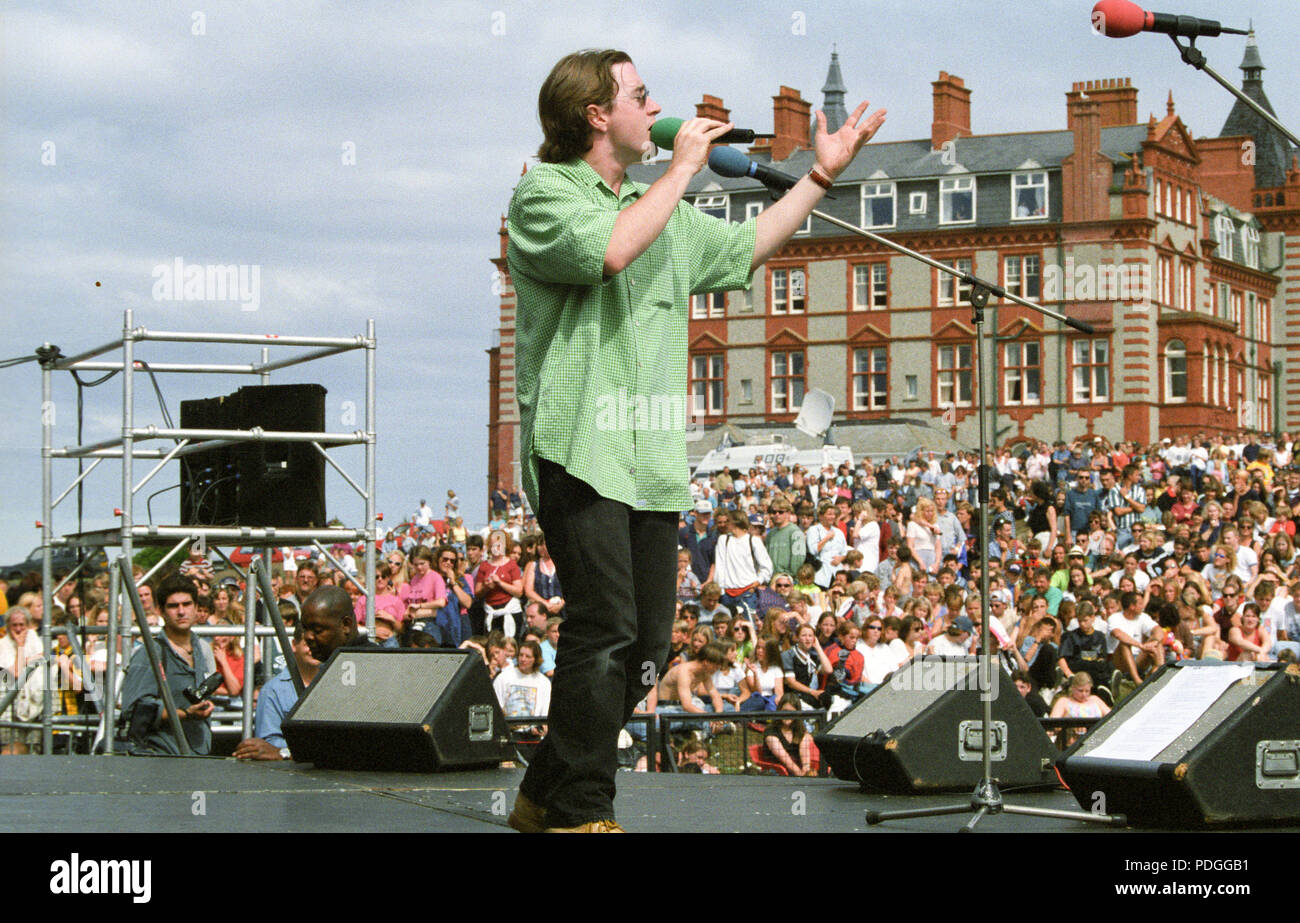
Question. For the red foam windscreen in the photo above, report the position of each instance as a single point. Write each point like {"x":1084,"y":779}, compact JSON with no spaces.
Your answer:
{"x":1119,"y":18}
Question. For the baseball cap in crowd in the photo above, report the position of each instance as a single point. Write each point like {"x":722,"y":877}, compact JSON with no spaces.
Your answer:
{"x":228,"y":581}
{"x":1075,"y":553}
{"x":960,"y":624}
{"x":704,"y":506}
{"x":1014,"y":567}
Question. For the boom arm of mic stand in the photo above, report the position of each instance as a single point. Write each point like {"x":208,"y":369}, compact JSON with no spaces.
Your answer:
{"x":975,"y":282}
{"x":1196,"y":58}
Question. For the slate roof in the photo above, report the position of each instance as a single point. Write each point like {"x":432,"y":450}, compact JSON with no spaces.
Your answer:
{"x":1273,"y":152}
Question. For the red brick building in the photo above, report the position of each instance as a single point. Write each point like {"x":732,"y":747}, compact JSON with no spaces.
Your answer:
{"x":1183,"y":252}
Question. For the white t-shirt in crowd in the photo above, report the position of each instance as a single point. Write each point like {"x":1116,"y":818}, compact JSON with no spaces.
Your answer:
{"x":1139,"y":628}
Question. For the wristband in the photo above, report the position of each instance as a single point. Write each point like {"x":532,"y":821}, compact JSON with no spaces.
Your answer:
{"x":820,"y":178}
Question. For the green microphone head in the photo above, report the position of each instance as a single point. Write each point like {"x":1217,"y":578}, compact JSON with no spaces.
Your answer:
{"x":664,"y":131}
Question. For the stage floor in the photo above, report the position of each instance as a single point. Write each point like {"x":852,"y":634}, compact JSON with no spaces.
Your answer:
{"x":120,"y":794}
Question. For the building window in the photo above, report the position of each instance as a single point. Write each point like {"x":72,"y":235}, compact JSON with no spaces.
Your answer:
{"x":1159,"y":207}
{"x":1175,"y":371}
{"x":1191,"y":211}
{"x":911,"y":387}
{"x":715,"y":205}
{"x":870,"y":378}
{"x":1224,"y":231}
{"x":1022,"y":374}
{"x":956,"y":199}
{"x":1028,"y":195}
{"x":947,"y":283}
{"x":1178,"y":204}
{"x":712,"y":304}
{"x":1213,"y":394}
{"x":870,"y":286}
{"x":1250,"y":246}
{"x":1091,"y":371}
{"x":1186,"y":287}
{"x":753,"y":209}
{"x":787,"y":381}
{"x":878,"y":205}
{"x":706,"y":385}
{"x":955,"y":377}
{"x":916,"y":203}
{"x":807,"y":226}
{"x":746,"y":390}
{"x":1165,"y":281}
{"x":789,"y":291}
{"x":1236,"y":308}
{"x":1022,"y":275}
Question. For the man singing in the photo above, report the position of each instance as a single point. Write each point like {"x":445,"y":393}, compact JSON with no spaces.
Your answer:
{"x":603,"y":269}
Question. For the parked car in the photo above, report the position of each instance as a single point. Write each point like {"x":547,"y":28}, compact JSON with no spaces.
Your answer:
{"x":243,"y":555}
{"x":64,"y":560}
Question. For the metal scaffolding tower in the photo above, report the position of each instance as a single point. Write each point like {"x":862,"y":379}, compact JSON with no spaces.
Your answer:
{"x":133,"y":443}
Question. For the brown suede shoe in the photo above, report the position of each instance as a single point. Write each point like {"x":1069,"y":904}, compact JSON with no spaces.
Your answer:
{"x":526,"y":816}
{"x":595,"y":826}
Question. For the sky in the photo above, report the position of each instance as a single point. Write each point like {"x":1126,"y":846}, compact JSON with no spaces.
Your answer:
{"x":359,"y":157}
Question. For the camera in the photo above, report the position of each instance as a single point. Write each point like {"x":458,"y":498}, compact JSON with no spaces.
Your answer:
{"x":204,"y":690}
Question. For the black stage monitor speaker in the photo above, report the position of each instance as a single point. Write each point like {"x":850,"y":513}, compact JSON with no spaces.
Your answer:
{"x":406,"y":710}
{"x":1199,"y":743}
{"x":921,"y":731}
{"x":208,"y":479}
{"x":281,"y":484}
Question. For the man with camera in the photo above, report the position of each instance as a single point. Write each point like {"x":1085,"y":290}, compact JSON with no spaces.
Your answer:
{"x":187,"y":663}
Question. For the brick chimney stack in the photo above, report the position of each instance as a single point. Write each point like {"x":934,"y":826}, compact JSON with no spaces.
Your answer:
{"x":951,"y":110}
{"x":1116,"y":98}
{"x":791,"y":116}
{"x":710,"y":107}
{"x":1085,"y":174}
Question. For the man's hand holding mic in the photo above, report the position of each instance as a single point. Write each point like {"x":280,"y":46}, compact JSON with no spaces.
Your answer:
{"x":691,"y":144}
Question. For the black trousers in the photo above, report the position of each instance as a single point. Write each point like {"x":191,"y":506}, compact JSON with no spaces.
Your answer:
{"x":618,"y":567}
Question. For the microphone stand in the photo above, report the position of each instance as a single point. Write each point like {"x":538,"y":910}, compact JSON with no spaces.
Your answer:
{"x":1196,"y":58}
{"x":986,"y":799}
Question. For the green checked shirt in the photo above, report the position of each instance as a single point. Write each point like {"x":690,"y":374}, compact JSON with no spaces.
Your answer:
{"x":601,"y":363}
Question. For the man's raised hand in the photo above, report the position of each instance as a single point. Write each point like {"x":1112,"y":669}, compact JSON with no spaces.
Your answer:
{"x":835,"y":152}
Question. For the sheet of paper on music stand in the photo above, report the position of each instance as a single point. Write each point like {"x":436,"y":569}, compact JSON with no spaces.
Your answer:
{"x":1170,"y":712}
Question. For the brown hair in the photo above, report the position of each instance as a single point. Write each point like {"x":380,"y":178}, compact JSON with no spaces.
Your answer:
{"x":577,"y":81}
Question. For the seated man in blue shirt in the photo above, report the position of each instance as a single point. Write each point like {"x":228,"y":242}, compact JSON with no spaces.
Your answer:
{"x":276,"y":699}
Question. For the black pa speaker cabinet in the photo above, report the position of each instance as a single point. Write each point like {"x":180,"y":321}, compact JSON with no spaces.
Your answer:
{"x":921,"y":731}
{"x":406,"y":710}
{"x":281,"y":484}
{"x":1199,"y":743}
{"x":208,"y":479}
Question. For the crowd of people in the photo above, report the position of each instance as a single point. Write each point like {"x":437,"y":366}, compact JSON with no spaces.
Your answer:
{"x":802,"y":589}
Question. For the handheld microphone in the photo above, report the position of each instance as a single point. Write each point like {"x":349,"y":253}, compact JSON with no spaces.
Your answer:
{"x":664,"y":132}
{"x":726,"y":161}
{"x":1120,"y":19}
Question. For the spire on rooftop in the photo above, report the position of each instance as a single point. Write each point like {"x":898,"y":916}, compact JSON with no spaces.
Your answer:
{"x":833,"y":95}
{"x":1272,"y":150}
